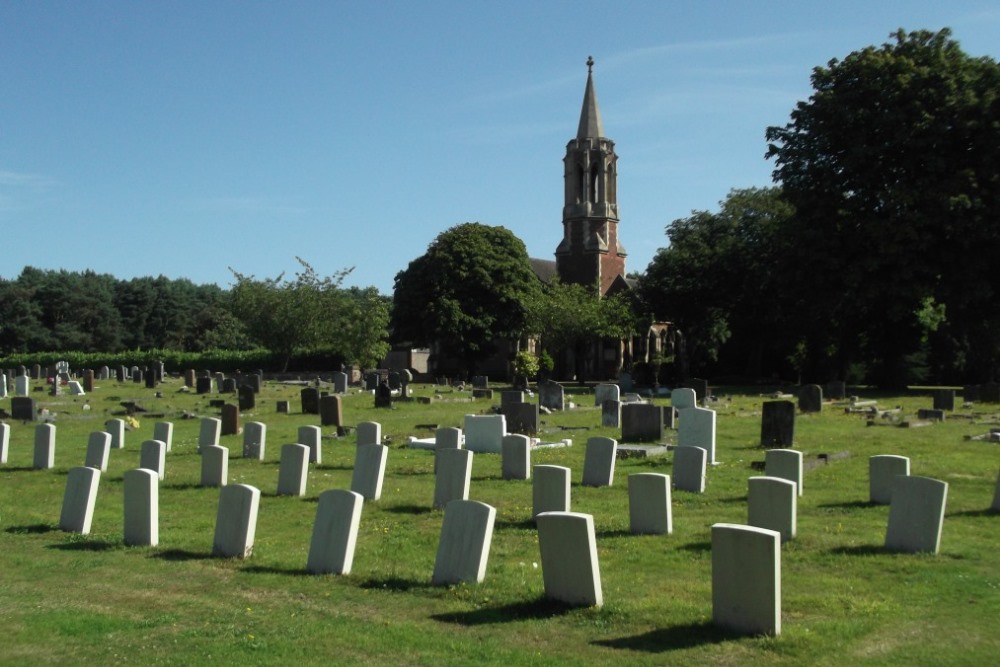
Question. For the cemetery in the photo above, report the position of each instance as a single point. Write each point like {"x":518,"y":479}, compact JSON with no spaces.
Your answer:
{"x":172,"y":536}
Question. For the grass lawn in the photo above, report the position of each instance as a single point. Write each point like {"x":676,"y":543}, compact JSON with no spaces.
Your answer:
{"x":82,"y":599}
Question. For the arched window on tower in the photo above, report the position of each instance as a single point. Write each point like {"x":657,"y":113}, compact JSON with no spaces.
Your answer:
{"x":594,"y":180}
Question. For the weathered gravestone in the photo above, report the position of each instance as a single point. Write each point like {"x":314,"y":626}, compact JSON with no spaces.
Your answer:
{"x":454,"y":471}
{"x":293,"y":470}
{"x":509,"y":396}
{"x":236,"y":521}
{"x":371,"y":381}
{"x":521,"y":417}
{"x":116,"y":427}
{"x":4,"y":441}
{"x":247,"y":397}
{"x":599,"y":461}
{"x":697,"y":428}
{"x":142,"y":508}
{"x":777,"y":424}
{"x":104,"y":373}
{"x":340,"y":382}
{"x":153,"y":456}
{"x":22,"y":408}
{"x":550,"y":489}
{"x":254,"y":440}
{"x":484,"y":433}
{"x":3,"y":385}
{"x":79,"y":500}
{"x":480,"y":382}
{"x":214,"y":466}
{"x":209,"y":431}
{"x":944,"y":399}
{"x":464,"y":544}
{"x":312,"y":437}
{"x":683,"y":398}
{"x":570,"y":569}
{"x":625,"y":382}
{"x":369,"y":470}
{"x":331,"y":411}
{"x":882,"y":472}
{"x":551,"y":395}
{"x":771,"y":504}
{"x":45,"y":447}
{"x":164,"y":432}
{"x":611,"y":414}
{"x":335,"y":532}
{"x":606,"y":392}
{"x":88,"y":381}
{"x":784,"y":464}
{"x":649,"y":508}
{"x":916,"y":514}
{"x":203,"y":385}
{"x":22,"y":385}
{"x":690,"y":464}
{"x":369,"y":433}
{"x":281,"y":407}
{"x":811,"y":398}
{"x":746,"y":579}
{"x":230,"y":419}
{"x":515,"y":456}
{"x":150,"y":379}
{"x":309,"y":398}
{"x":383,"y":396}
{"x":642,"y":422}
{"x":98,"y":450}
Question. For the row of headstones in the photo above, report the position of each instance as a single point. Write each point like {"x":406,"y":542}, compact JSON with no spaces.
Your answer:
{"x":206,"y":383}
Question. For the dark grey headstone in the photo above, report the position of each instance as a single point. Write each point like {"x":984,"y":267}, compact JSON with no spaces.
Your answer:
{"x":933,"y":415}
{"x":371,"y":381}
{"x":836,"y":390}
{"x":309,"y":397}
{"x":383,"y":396}
{"x":521,"y":417}
{"x":247,"y":397}
{"x":777,"y":424}
{"x":203,"y":385}
{"x":551,"y":395}
{"x":22,"y":408}
{"x":611,"y":414}
{"x":395,"y":380}
{"x":282,"y":407}
{"x":642,"y":422}
{"x":700,"y":387}
{"x":944,"y":399}
{"x":331,"y":412}
{"x":230,"y":419}
{"x":811,"y":398}
{"x":482,"y":393}
{"x":229,"y":386}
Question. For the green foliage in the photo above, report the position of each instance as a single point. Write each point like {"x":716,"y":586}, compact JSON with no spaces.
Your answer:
{"x":526,"y":364}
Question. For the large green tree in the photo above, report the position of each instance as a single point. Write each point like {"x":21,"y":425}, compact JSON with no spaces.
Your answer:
{"x":892,"y":166}
{"x":466,"y":293}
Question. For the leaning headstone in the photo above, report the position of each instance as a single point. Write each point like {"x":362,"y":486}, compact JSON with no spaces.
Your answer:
{"x":464,"y":545}
{"x":649,"y":507}
{"x":570,"y":570}
{"x":254,"y":440}
{"x":882,"y":472}
{"x":293,"y":470}
{"x":550,"y":490}
{"x":331,"y":411}
{"x":515,"y":457}
{"x":236,"y":521}
{"x":683,"y":398}
{"x":996,"y":496}
{"x":746,"y":579}
{"x":454,"y":471}
{"x":309,"y":399}
{"x":771,"y":504}
{"x":369,"y":433}
{"x":484,"y":433}
{"x":79,"y":500}
{"x":642,"y":422}
{"x":340,"y":382}
{"x":142,"y":508}
{"x":164,"y":432}
{"x":116,"y":427}
{"x":230,"y":420}
{"x":335,"y":532}
{"x":369,"y":470}
{"x":777,"y":424}
{"x":611,"y":414}
{"x":916,"y":514}
{"x":521,"y":417}
{"x":22,"y":385}
{"x":606,"y":392}
{"x":246,"y":397}
{"x":214,"y":466}
{"x":45,"y":447}
{"x":75,"y":388}
{"x":811,"y":398}
{"x":784,"y":464}
{"x":944,"y":399}
{"x":4,"y":441}
{"x":153,"y":456}
{"x":22,"y":408}
{"x":689,"y":468}
{"x":312,"y":437}
{"x":551,"y":395}
{"x":209,"y":431}
{"x":697,"y":428}
{"x":599,"y":461}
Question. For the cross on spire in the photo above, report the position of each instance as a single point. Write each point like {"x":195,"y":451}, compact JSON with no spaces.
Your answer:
{"x":590,"y":64}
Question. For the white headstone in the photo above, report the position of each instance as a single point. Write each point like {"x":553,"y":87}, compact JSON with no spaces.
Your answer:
{"x":293,"y":470}
{"x":550,"y":489}
{"x":164,"y":432}
{"x":75,"y":388}
{"x":116,"y":427}
{"x":98,"y":450}
{"x":484,"y":433}
{"x":570,"y":570}
{"x":916,"y":514}
{"x":369,"y":433}
{"x":649,"y":507}
{"x":786,"y":464}
{"x":689,"y":468}
{"x":22,"y":386}
{"x":214,"y":465}
{"x":453,"y":476}
{"x":312,"y":437}
{"x":771,"y":504}
{"x":254,"y":440}
{"x":79,"y":500}
{"x":209,"y":432}
{"x":335,"y":532}
{"x":447,"y":437}
{"x":153,"y":456}
{"x":996,"y":496}
{"x":746,"y":579}
{"x":142,"y":507}
{"x":882,"y":472}
{"x":697,"y":429}
{"x":4,"y":441}
{"x":369,"y":470}
{"x":515,"y":457}
{"x":45,"y":447}
{"x":464,"y":545}
{"x":236,"y":521}
{"x":683,"y":398}
{"x":599,"y":461}
{"x":606,"y":392}
{"x":3,"y":385}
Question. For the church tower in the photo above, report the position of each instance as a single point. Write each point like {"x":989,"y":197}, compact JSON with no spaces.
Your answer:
{"x":589,"y":253}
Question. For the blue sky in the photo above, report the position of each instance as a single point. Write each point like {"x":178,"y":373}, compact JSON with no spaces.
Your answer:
{"x":182,"y":138}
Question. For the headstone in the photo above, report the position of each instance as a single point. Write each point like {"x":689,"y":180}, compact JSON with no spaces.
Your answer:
{"x":88,"y":381}
{"x":606,"y":392}
{"x":996,"y":496}
{"x":683,"y":398}
{"x":254,"y":380}
{"x":203,"y":385}
{"x":228,"y":386}
{"x":293,"y":470}
{"x":697,"y":429}
{"x":700,"y":387}
{"x":599,"y":461}
{"x":777,"y":424}
{"x":236,"y":521}
{"x":836,"y":389}
{"x":22,"y":385}
{"x":811,"y":398}
{"x":447,"y":437}
{"x":550,"y":489}
{"x":79,"y":500}
{"x":142,"y":508}
{"x":116,"y":427}
{"x":3,"y":385}
{"x":331,"y":411}
{"x":480,"y":382}
{"x":214,"y":466}
{"x":153,"y":456}
{"x":98,"y":450}
{"x":312,"y":437}
{"x":516,"y":457}
{"x":383,"y":396}
{"x":931,"y":415}
{"x":371,"y":381}
{"x":335,"y":532}
{"x":649,"y":507}
{"x":521,"y":417}
{"x":281,"y":407}
{"x":220,"y":383}
{"x":882,"y":472}
{"x":23,"y":408}
{"x":511,"y":396}
{"x":746,"y":579}
{"x":138,"y":377}
{"x":369,"y":433}
{"x":340,"y":382}
{"x":190,"y":378}
{"x":611,"y":414}
{"x":4,"y":441}
{"x":150,"y":378}
{"x":453,"y":475}
{"x":208,"y":433}
{"x":484,"y":433}
{"x":164,"y":432}
{"x":45,"y":447}
{"x":551,"y":395}
{"x":944,"y":399}
{"x":689,"y":468}
{"x":369,"y":470}
{"x":254,"y":440}
{"x":625,"y":382}
{"x":483,"y":393}
{"x":916,"y":514}
{"x":771,"y":504}
{"x":246,"y":397}
{"x":309,"y":397}
{"x":570,"y":570}
{"x":36,"y":372}
{"x":230,"y":420}
{"x":642,"y":422}
{"x":784,"y":464}
{"x":464,"y":545}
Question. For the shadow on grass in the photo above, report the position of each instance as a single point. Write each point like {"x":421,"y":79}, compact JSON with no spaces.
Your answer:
{"x":861,"y":550}
{"x":696,"y":546}
{"x":5,"y":469}
{"x":672,"y":639}
{"x":540,"y":608}
{"x":85,"y":545}
{"x":985,"y":512}
{"x":616,"y":533}
{"x":340,"y":467}
{"x":409,"y":509}
{"x":526,"y":524}
{"x":486,"y":478}
{"x":734,"y":499}
{"x":271,"y":569}
{"x":396,"y":584}
{"x":180,"y":555}
{"x":853,"y":504}
{"x":31,"y":529}
{"x":186,"y":486}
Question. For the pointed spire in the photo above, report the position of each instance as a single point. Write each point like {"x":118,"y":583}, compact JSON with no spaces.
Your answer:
{"x":590,"y":116}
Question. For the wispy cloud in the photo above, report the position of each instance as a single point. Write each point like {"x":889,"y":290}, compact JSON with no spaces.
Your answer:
{"x":14,"y":179}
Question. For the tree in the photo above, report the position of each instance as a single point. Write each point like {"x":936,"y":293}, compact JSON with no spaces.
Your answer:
{"x":466,"y":293}
{"x":364,"y":326}
{"x":892,"y":168}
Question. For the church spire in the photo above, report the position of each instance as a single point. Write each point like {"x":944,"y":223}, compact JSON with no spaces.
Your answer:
{"x":590,"y":117}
